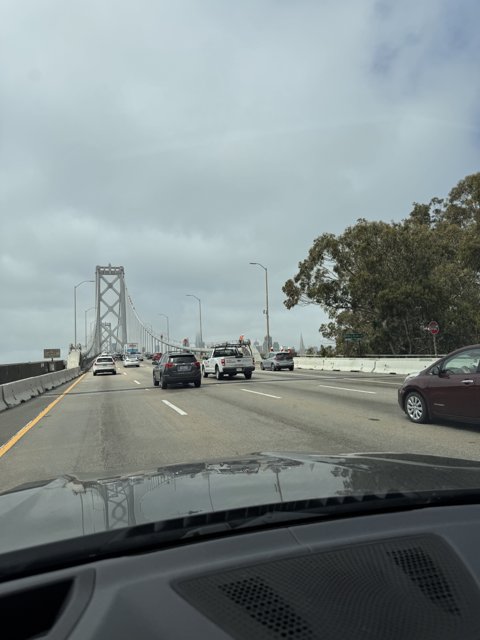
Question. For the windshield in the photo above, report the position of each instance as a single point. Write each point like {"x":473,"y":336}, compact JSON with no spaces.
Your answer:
{"x":154,"y":156}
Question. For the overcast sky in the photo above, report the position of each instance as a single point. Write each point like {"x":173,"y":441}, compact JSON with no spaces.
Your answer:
{"x":185,"y":139}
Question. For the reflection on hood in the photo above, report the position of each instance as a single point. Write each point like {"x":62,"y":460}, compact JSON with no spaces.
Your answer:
{"x":70,"y":506}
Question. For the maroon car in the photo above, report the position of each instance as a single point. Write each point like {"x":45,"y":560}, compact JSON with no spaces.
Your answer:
{"x":449,"y":388}
{"x":156,"y":357}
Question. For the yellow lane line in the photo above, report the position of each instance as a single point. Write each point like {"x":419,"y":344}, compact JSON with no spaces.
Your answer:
{"x":14,"y":439}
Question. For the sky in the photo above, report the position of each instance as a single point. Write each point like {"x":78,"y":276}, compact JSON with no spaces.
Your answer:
{"x":183,"y":140}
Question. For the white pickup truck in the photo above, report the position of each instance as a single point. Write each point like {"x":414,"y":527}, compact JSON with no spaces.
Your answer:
{"x":229,"y":358}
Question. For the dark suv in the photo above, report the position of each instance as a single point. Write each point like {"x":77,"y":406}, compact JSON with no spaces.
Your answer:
{"x":175,"y":368}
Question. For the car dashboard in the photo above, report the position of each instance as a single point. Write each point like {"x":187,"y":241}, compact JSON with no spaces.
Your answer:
{"x":407,"y":574}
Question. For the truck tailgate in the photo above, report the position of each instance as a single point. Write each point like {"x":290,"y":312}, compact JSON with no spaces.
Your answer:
{"x":238,"y":362}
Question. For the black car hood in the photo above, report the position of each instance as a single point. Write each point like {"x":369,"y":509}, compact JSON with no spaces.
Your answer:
{"x":74,"y":506}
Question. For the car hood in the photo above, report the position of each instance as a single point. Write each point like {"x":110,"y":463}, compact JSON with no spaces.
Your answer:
{"x":73,"y":506}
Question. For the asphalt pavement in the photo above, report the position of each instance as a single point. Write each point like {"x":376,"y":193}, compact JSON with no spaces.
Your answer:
{"x":110,"y":425}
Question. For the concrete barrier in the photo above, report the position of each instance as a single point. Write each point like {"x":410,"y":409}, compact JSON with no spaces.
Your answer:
{"x":3,"y":404}
{"x":24,"y":389}
{"x":399,"y":366}
{"x":37,"y":385}
{"x":13,"y":393}
{"x":8,"y":395}
{"x":58,"y":378}
{"x":62,"y":377}
{"x":16,"y":392}
{"x":47,"y":382}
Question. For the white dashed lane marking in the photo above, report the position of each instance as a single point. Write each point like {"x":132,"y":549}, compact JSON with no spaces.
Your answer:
{"x":324,"y":386}
{"x":177,"y":409}
{"x":258,"y":393}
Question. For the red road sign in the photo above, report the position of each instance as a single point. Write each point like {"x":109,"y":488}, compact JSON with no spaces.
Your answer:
{"x":433,"y":327}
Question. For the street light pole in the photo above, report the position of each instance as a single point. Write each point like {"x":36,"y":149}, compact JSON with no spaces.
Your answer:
{"x":75,"y":308}
{"x":168,"y":330}
{"x":200,"y":315}
{"x":86,"y":311}
{"x":266,"y":302}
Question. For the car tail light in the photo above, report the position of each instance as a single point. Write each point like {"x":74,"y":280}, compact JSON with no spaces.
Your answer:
{"x":222,"y":362}
{"x":168,"y":365}
{"x":197,"y":364}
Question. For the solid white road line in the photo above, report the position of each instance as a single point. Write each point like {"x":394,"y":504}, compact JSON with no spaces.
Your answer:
{"x":374,"y":393}
{"x":136,"y":382}
{"x":268,"y":395}
{"x":172,"y":406}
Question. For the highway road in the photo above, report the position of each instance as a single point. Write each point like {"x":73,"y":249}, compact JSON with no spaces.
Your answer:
{"x":116,"y":424}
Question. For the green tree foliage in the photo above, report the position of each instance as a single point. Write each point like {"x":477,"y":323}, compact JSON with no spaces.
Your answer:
{"x":388,"y":280}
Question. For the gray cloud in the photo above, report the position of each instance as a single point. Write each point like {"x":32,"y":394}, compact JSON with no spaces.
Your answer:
{"x":183,"y":140}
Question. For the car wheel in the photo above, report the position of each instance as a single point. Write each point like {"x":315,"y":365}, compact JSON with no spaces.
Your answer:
{"x":248,"y":375}
{"x":197,"y":383}
{"x":205,"y":374}
{"x":218,"y":374}
{"x":416,"y":408}
{"x":94,"y":373}
{"x":291,"y":368}
{"x":163,"y":384}
{"x":155,"y":383}
{"x":261,"y":366}
{"x":114,"y":373}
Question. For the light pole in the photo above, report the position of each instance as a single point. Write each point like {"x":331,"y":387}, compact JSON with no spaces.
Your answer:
{"x":168,"y":330}
{"x":190,"y":295}
{"x":266,"y":302}
{"x":86,"y":311}
{"x":75,"y":308}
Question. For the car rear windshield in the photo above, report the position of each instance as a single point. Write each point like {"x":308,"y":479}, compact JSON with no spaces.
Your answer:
{"x":229,"y":352}
{"x":109,"y":360}
{"x":283,"y":356}
{"x":183,"y":358}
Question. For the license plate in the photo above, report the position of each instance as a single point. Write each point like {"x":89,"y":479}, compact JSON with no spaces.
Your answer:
{"x":239,"y":369}
{"x":185,"y":368}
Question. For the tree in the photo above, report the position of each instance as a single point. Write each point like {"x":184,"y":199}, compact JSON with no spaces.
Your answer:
{"x":326,"y":352}
{"x":388,"y":280}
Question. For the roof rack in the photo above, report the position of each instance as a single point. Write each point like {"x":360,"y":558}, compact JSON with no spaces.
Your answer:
{"x":243,"y":343}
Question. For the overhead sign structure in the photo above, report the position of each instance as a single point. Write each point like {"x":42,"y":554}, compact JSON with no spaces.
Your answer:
{"x":433,"y":327}
{"x":51,"y":353}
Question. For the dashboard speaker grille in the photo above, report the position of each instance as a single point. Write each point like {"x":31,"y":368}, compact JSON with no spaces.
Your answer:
{"x":421,"y":569}
{"x":267,"y":607}
{"x":404,"y":588}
